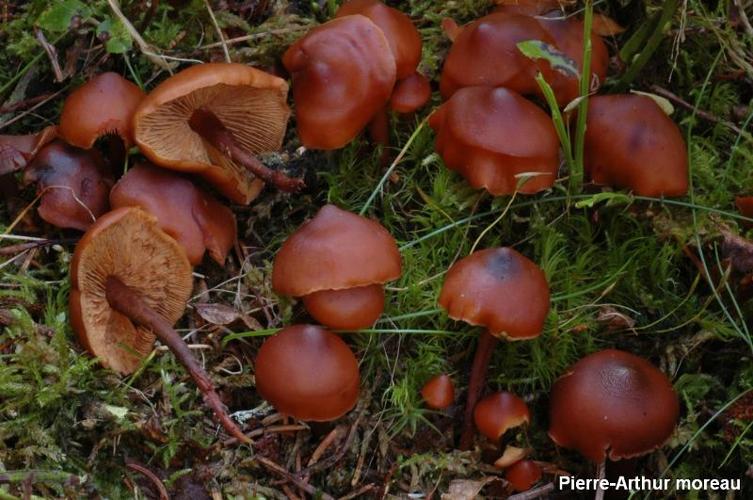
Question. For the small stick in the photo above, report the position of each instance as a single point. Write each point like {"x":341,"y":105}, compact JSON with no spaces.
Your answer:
{"x":323,"y":446}
{"x":52,"y":54}
{"x":23,"y":103}
{"x":163,"y":495}
{"x":534,"y":493}
{"x":219,"y":31}
{"x":293,"y":479}
{"x":205,"y":123}
{"x":145,"y":48}
{"x":130,"y":304}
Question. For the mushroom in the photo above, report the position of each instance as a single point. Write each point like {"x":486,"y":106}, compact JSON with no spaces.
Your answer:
{"x":211,"y":119}
{"x":485,"y":53}
{"x":496,"y":139}
{"x":343,"y":72}
{"x":527,"y":7}
{"x":523,"y":475}
{"x":129,"y":283}
{"x":439,"y":392}
{"x":410,"y":94}
{"x":73,"y":184}
{"x":507,"y":294}
{"x":499,"y":412}
{"x":16,"y":151}
{"x":631,"y":143}
{"x":184,"y":211}
{"x":338,"y":262}
{"x":103,"y":105}
{"x":308,"y":372}
{"x":612,"y":404}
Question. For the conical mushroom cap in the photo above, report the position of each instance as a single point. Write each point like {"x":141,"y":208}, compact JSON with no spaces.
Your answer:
{"x":249,"y":102}
{"x":126,"y":243}
{"x":612,"y":403}
{"x":184,"y":211}
{"x":492,"y":136}
{"x":309,"y":373}
{"x":103,"y":105}
{"x":631,"y":143}
{"x":335,"y":250}
{"x":343,"y":73}
{"x":401,"y":34}
{"x":496,"y":413}
{"x":500,"y":289}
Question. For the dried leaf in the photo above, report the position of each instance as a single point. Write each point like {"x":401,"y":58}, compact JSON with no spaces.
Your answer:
{"x":217,"y":314}
{"x":662,"y":102}
{"x":606,"y":26}
{"x":614,"y":319}
{"x":466,"y":489}
{"x":739,"y":251}
{"x":536,"y":49}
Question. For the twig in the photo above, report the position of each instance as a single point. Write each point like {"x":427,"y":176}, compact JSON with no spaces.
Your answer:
{"x":699,"y":112}
{"x":743,"y":17}
{"x":360,"y":492}
{"x":143,"y":46}
{"x":534,"y":493}
{"x":22,"y":247}
{"x":293,"y":479}
{"x":323,"y":446}
{"x":23,"y":103}
{"x":219,"y":31}
{"x":52,"y":54}
{"x":332,"y":460}
{"x":253,"y":36}
{"x":163,"y":495}
{"x":33,"y":108}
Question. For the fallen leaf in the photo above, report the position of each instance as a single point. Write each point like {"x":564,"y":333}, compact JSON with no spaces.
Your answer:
{"x":466,"y":489}
{"x":217,"y":314}
{"x":605,"y":26}
{"x":614,"y":319}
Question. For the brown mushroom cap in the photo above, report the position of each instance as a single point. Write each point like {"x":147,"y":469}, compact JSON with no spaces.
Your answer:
{"x":398,"y":29}
{"x":308,"y":372}
{"x":250,"y":103}
{"x":500,"y":289}
{"x":343,"y":73}
{"x":744,"y":205}
{"x":126,"y":243}
{"x":349,"y":309}
{"x":631,"y":143}
{"x":74,"y":185}
{"x":335,"y":250}
{"x":439,"y":392}
{"x":410,"y":93}
{"x":523,"y":475}
{"x":612,"y":403}
{"x":103,"y":105}
{"x":16,"y":151}
{"x":490,"y":136}
{"x":184,"y":211}
{"x":485,"y":53}
{"x":497,"y":413}
{"x":527,"y":7}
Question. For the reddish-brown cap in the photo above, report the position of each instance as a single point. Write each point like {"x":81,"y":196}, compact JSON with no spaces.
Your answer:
{"x":103,"y":105}
{"x":126,"y":243}
{"x":744,"y":205}
{"x":343,"y":73}
{"x":523,"y":475}
{"x":527,"y":7}
{"x":348,"y":309}
{"x":249,"y":102}
{"x":494,"y":136}
{"x":398,"y":29}
{"x":439,"y":392}
{"x":335,"y":250}
{"x":631,"y":143}
{"x":497,"y":413}
{"x":500,"y":289}
{"x":612,"y":404}
{"x":184,"y":211}
{"x":567,"y":34}
{"x":16,"y":151}
{"x":485,"y":53}
{"x":74,"y":185}
{"x":410,"y":93}
{"x":308,"y":372}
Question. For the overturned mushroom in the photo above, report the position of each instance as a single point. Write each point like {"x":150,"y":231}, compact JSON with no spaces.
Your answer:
{"x":612,"y":404}
{"x":73,"y":184}
{"x":439,"y":392}
{"x":184,"y":211}
{"x":308,"y":373}
{"x":631,"y":143}
{"x":129,"y":283}
{"x":504,"y":292}
{"x":103,"y":105}
{"x":212,"y":119}
{"x":338,"y":262}
{"x":343,"y":73}
{"x":497,"y":140}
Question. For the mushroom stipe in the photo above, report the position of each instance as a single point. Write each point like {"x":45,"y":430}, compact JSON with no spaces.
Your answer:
{"x":205,"y":123}
{"x":128,"y":302}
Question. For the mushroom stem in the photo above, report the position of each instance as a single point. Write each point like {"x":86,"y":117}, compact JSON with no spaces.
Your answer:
{"x":601,"y":473}
{"x":484,"y":349}
{"x":205,"y":123}
{"x":127,"y":302}
{"x":379,"y":132}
